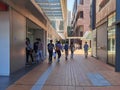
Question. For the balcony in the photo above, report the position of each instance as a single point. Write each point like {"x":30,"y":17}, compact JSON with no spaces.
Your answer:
{"x":80,"y":8}
{"x":80,"y":21}
{"x":103,"y":3}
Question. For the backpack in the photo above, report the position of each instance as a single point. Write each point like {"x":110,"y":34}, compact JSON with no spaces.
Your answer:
{"x":57,"y":47}
{"x":66,"y":47}
{"x":36,"y":46}
{"x":50,"y":47}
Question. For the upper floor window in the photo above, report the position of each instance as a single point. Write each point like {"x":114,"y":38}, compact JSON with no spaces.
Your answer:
{"x":103,"y":3}
{"x":81,"y":14}
{"x":82,"y":2}
{"x":111,"y":19}
{"x":81,"y":34}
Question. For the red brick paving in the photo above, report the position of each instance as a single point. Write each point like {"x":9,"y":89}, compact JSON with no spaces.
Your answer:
{"x":71,"y":75}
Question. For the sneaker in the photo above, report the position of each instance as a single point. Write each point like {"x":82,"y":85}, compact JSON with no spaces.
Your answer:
{"x":66,"y":58}
{"x":33,"y":62}
{"x":27,"y":63}
{"x":58,"y":60}
{"x":50,"y":62}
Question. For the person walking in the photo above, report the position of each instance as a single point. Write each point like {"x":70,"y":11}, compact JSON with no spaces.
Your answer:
{"x":66,"y":46}
{"x":86,"y":49}
{"x":58,"y":49}
{"x":50,"y":50}
{"x":72,"y":48}
{"x":29,"y":51}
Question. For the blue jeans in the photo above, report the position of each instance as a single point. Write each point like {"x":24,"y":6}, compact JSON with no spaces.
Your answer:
{"x":39,"y":55}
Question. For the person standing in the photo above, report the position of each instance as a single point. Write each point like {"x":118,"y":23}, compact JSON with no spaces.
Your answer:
{"x":58,"y":49}
{"x":66,"y":46}
{"x":40,"y":50}
{"x":29,"y":51}
{"x":50,"y":50}
{"x":86,"y":49}
{"x":36,"y":49}
{"x":72,"y":48}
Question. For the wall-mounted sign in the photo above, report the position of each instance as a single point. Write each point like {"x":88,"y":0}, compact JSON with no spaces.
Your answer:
{"x":3,"y":7}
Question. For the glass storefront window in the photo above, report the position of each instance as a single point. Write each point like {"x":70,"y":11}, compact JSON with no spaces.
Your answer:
{"x":111,"y":19}
{"x":30,"y":35}
{"x":111,"y":38}
{"x":111,"y":45}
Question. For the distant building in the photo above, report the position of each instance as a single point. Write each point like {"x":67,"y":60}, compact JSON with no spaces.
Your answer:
{"x":81,"y":19}
{"x":69,"y":18}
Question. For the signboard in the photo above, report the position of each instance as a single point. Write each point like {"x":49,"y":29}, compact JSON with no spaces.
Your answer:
{"x":3,"y":7}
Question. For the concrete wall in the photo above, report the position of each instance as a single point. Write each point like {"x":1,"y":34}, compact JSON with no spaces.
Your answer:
{"x":102,"y":42}
{"x":17,"y":38}
{"x":4,"y":44}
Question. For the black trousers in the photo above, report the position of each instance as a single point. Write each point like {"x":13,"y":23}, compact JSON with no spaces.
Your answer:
{"x":28,"y":54}
{"x":50,"y":55}
{"x":59,"y":54}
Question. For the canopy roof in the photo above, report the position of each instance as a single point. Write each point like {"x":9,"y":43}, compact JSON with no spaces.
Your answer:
{"x":52,"y":8}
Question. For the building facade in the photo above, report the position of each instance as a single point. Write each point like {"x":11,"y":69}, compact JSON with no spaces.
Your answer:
{"x":107,"y":31}
{"x":69,"y":18}
{"x":56,"y":11}
{"x":18,"y":20}
{"x":81,"y":18}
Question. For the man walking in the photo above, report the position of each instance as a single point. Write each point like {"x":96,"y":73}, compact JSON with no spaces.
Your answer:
{"x":86,"y":49}
{"x":50,"y":50}
{"x":66,"y":46}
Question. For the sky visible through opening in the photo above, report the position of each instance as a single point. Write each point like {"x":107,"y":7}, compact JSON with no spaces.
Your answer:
{"x":70,"y":4}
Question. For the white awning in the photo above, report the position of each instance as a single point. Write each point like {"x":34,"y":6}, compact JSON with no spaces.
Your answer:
{"x":62,"y":35}
{"x":87,"y":35}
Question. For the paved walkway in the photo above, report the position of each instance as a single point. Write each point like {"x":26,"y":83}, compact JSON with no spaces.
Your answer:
{"x":75,"y":74}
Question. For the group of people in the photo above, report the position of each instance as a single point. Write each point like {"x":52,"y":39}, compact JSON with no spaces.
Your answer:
{"x":37,"y":49}
{"x":57,"y":48}
{"x":53,"y":49}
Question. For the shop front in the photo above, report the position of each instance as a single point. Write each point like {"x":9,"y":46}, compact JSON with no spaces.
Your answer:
{"x":33,"y":32}
{"x":111,"y":39}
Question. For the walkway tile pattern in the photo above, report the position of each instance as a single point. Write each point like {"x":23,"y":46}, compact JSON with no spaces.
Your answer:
{"x":98,"y":80}
{"x":74,"y":74}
